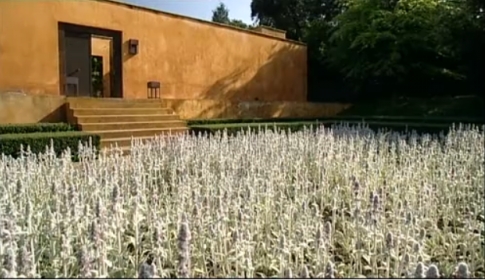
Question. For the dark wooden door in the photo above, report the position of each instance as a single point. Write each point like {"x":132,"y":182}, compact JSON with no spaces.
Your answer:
{"x":77,"y":52}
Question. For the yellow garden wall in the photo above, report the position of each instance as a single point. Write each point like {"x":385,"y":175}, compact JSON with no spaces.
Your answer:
{"x":20,"y":107}
{"x":215,"y":109}
{"x":193,"y":59}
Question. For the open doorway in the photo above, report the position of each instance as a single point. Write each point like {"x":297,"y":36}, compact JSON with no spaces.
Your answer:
{"x":101,"y":56}
{"x":90,"y":61}
{"x":97,"y":76}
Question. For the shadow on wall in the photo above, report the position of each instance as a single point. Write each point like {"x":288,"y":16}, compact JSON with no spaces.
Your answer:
{"x":272,"y":83}
{"x":225,"y":109}
{"x":18,"y":107}
{"x":285,"y":63}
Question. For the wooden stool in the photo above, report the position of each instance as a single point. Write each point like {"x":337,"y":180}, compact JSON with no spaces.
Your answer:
{"x":153,"y":89}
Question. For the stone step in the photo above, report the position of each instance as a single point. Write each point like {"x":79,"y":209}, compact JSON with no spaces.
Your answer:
{"x":110,"y":134}
{"x":118,"y":105}
{"x":125,"y":118}
{"x":107,"y":105}
{"x":114,"y":103}
{"x":120,"y":111}
{"x":131,"y":125}
{"x":118,"y":121}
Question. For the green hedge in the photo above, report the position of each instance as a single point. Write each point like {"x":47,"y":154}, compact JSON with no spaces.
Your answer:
{"x":10,"y":143}
{"x":233,"y":129}
{"x":35,"y":127}
{"x":370,"y":119}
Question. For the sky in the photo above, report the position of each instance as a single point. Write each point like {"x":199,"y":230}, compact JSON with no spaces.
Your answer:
{"x":202,"y":9}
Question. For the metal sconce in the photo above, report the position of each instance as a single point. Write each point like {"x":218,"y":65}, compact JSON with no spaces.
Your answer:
{"x":133,"y":46}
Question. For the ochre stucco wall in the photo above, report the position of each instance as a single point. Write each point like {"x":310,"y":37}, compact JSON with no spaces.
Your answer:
{"x":225,"y":109}
{"x":19,"y":107}
{"x":192,"y":59}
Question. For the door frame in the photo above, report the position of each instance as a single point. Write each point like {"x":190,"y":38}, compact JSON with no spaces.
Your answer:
{"x":116,"y":66}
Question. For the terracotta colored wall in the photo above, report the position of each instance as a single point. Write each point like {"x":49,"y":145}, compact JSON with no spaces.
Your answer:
{"x":192,"y":59}
{"x":222,"y":109}
{"x":20,"y":107}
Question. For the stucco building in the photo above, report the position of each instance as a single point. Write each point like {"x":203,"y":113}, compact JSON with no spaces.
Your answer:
{"x":111,"y":49}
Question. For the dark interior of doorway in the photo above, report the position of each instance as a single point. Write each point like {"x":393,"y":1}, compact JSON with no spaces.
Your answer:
{"x":97,"y":75}
{"x":75,"y":59}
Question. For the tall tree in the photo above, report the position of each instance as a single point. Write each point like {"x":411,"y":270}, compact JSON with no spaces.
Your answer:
{"x":391,"y":45}
{"x":221,"y":14}
{"x":294,"y":16}
{"x":384,"y":45}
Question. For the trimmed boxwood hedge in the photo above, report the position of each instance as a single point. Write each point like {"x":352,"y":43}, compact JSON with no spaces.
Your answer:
{"x":233,"y":129}
{"x":35,"y":127}
{"x":369,"y":119}
{"x":10,"y":143}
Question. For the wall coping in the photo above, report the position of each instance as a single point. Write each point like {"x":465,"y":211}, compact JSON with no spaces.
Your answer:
{"x":220,"y":25}
{"x":272,"y":29}
{"x":278,"y":33}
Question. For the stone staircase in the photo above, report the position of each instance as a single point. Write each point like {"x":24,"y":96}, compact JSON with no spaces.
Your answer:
{"x":118,"y":120}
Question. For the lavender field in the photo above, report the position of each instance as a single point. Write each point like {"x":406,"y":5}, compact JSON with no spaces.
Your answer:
{"x":346,"y":203}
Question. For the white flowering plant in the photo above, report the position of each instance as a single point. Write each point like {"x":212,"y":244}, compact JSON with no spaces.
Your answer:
{"x":320,"y":203}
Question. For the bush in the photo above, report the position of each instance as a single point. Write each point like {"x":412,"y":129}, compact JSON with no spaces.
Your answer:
{"x":35,"y":127}
{"x":353,"y":118}
{"x":197,"y":122}
{"x":233,"y":129}
{"x":10,"y":143}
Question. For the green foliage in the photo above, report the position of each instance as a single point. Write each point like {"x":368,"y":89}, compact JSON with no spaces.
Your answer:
{"x":410,"y":120}
{"x":35,"y":127}
{"x":97,"y":75}
{"x":10,"y":144}
{"x":393,"y":44}
{"x":294,"y":16}
{"x":239,"y":23}
{"x":457,"y":109}
{"x":384,"y":47}
{"x":221,"y":15}
{"x":235,"y":128}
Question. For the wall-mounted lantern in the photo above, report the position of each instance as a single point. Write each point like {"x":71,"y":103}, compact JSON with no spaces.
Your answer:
{"x":133,"y":46}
